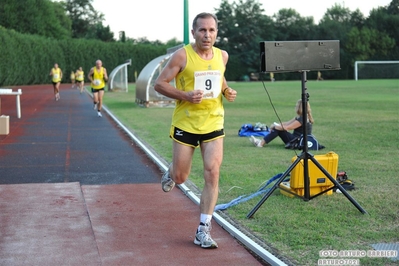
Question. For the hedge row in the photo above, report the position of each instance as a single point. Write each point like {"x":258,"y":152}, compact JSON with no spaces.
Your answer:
{"x":28,"y":59}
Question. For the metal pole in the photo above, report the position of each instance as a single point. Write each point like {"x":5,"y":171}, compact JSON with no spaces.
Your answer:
{"x":19,"y":103}
{"x":185,"y":23}
{"x":356,"y":70}
{"x":306,"y":181}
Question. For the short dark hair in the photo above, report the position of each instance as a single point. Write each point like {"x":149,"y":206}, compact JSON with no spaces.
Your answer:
{"x":204,"y":15}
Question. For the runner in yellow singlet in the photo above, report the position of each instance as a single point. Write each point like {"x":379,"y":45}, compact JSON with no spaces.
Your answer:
{"x":72,"y":77}
{"x":80,"y":79}
{"x":56,"y":77}
{"x":98,"y":76}
{"x":198,"y":118}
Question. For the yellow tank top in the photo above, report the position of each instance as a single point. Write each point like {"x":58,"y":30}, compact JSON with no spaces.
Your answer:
{"x":80,"y":75}
{"x":207,"y":75}
{"x":56,"y":75}
{"x":98,"y":79}
{"x":72,"y":75}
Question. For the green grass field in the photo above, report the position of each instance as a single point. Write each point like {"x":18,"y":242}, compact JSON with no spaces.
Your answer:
{"x":358,"y":120}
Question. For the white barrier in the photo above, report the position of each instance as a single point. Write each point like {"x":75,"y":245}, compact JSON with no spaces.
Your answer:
{"x":17,"y":94}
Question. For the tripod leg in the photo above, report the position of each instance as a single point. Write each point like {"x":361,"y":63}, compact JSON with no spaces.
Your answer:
{"x":337,"y":184}
{"x":281,"y":179}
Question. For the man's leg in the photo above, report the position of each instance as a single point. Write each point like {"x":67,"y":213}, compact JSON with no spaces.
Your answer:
{"x":95,"y":99}
{"x":57,"y":91}
{"x":212,"y":154}
{"x":182,"y":160}
{"x":100,"y":100}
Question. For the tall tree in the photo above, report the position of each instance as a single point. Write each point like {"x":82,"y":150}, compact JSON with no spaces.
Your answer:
{"x":366,"y":44}
{"x":241,"y":27}
{"x":102,"y":33}
{"x":292,"y":27}
{"x":62,"y":17}
{"x":336,"y":23}
{"x":86,"y":21}
{"x":40,"y":17}
{"x":122,"y":36}
{"x":357,"y":19}
{"x":386,"y":19}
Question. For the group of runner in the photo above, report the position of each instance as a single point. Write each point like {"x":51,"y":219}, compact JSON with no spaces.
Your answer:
{"x":98,"y":77}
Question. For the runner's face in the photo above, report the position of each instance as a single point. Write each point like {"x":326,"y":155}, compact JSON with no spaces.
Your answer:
{"x":205,"y":33}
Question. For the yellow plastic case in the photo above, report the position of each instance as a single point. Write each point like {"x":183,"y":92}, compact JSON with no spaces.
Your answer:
{"x":318,"y":181}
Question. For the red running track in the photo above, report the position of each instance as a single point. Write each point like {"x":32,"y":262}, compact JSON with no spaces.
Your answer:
{"x":57,"y":209}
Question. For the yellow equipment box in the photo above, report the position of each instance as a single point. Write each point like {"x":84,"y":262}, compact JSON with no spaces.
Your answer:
{"x":317,"y":178}
{"x":301,"y":191}
{"x":318,"y":181}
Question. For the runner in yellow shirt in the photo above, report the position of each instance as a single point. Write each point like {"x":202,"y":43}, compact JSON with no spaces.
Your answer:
{"x":198,"y":118}
{"x":80,"y":79}
{"x":98,"y":76}
{"x":72,"y":77}
{"x":56,"y":77}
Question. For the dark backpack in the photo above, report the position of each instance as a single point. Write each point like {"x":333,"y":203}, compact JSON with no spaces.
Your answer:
{"x":297,"y":143}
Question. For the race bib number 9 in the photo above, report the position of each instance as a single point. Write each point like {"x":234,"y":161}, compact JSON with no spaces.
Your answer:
{"x":208,"y":81}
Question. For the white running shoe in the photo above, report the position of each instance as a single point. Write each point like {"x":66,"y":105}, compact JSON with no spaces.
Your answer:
{"x":95,"y":106}
{"x":256,"y":142}
{"x":99,"y":114}
{"x":203,"y":237}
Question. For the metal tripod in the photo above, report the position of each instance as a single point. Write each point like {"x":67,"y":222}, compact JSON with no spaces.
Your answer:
{"x":305,"y":156}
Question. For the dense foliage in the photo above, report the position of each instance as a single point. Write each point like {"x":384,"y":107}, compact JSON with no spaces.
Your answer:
{"x":243,"y":25}
{"x":38,"y":17}
{"x":27,"y":59}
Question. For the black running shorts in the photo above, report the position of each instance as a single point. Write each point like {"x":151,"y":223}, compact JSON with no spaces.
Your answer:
{"x":194,"y":140}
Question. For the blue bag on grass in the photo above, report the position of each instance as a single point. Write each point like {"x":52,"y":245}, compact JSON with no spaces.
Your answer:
{"x":259,"y":130}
